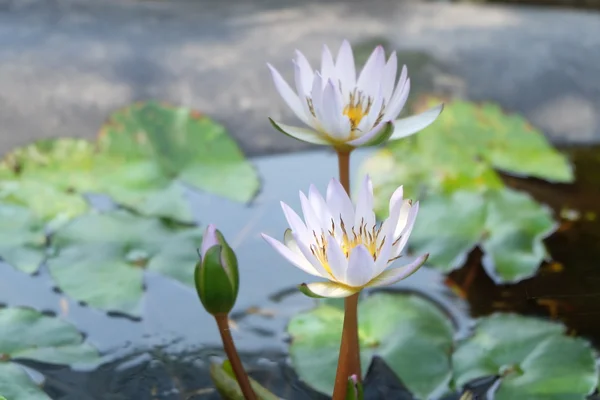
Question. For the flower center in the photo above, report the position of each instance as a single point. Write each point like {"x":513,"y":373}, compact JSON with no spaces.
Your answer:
{"x":361,"y":235}
{"x":356,"y":108}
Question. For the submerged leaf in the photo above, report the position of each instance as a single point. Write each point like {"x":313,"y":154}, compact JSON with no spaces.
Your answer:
{"x":410,"y":333}
{"x":101,"y":257}
{"x":228,"y":388}
{"x":533,"y":357}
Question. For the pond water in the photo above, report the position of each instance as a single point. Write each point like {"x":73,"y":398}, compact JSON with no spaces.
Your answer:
{"x":165,"y":354}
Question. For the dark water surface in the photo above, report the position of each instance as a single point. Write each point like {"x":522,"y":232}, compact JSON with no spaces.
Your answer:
{"x":165,"y":354}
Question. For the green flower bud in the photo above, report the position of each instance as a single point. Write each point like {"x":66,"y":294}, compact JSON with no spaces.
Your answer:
{"x":216,"y":274}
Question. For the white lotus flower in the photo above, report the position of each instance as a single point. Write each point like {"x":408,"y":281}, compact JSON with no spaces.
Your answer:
{"x":343,"y":243}
{"x":347,"y":112}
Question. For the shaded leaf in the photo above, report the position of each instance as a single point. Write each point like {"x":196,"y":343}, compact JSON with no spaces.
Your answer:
{"x":398,"y":328}
{"x":508,"y":225}
{"x":15,"y":384}
{"x":101,"y":257}
{"x":27,"y":334}
{"x":22,"y":238}
{"x":533,"y":357}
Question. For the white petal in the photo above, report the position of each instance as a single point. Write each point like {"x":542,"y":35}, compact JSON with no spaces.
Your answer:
{"x":327,"y":67}
{"x":388,"y":80}
{"x":394,"y":275}
{"x":288,"y":94}
{"x":290,"y":242}
{"x":338,"y":263}
{"x":306,"y":73}
{"x":302,"y":134}
{"x":383,"y":256}
{"x":303,"y":92}
{"x":389,"y":225}
{"x":375,"y":136}
{"x":319,"y":206}
{"x":339,"y":202}
{"x":397,"y":103}
{"x":360,"y":267}
{"x":405,"y":213}
{"x":291,"y":256}
{"x":314,"y":261}
{"x":331,"y":112}
{"x":398,"y":89}
{"x":295,"y":223}
{"x":316,"y":92}
{"x":209,"y":239}
{"x":345,"y":68}
{"x":364,"y":204}
{"x":330,"y":289}
{"x":370,"y":76}
{"x":313,"y":222}
{"x":397,"y":249}
{"x":407,"y":126}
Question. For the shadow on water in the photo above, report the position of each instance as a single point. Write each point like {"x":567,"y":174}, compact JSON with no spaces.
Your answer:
{"x":166,"y":354}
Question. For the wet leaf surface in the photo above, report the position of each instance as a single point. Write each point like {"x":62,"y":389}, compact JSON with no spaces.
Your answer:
{"x":26,"y":334}
{"x":183,"y":145}
{"x":101,"y":257}
{"x":461,"y":152}
{"x":22,"y":238}
{"x":533,"y":357}
{"x":398,"y":328}
{"x":508,"y":225}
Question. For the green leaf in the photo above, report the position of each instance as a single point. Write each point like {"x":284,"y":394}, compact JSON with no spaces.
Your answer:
{"x":515,"y":228}
{"x":22,"y":238}
{"x":227,"y":385}
{"x":28,"y":334}
{"x":31,"y":335}
{"x":410,"y":333}
{"x":100,"y":258}
{"x":459,"y":153}
{"x":15,"y":384}
{"x":184,"y":144}
{"x":44,"y":176}
{"x":448,"y":228}
{"x":508,"y":225}
{"x":533,"y":357}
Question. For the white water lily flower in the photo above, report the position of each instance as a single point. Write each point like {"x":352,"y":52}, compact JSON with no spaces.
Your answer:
{"x":345,"y":111}
{"x":343,"y":243}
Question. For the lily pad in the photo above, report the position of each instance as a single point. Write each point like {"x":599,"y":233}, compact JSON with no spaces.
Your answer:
{"x":411,"y":334}
{"x":47,"y":175}
{"x":508,"y":225}
{"x":22,"y":238}
{"x":533,"y":357}
{"x":184,"y":144}
{"x":26,"y":334}
{"x":100,"y":258}
{"x":460,"y":153}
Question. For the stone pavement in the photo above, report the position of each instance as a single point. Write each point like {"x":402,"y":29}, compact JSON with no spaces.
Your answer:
{"x":66,"y":64}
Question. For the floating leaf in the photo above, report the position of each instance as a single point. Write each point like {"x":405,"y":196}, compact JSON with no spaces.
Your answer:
{"x":184,"y":144}
{"x":533,"y":358}
{"x":101,"y":257}
{"x":508,"y":225}
{"x":45,"y":176}
{"x":22,"y":238}
{"x":410,"y":333}
{"x":31,"y":335}
{"x":15,"y":384}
